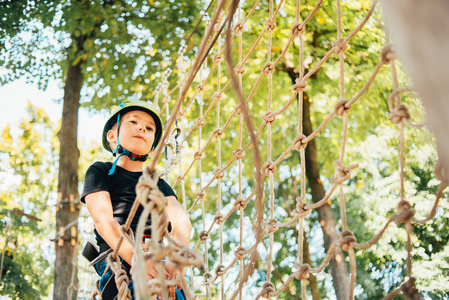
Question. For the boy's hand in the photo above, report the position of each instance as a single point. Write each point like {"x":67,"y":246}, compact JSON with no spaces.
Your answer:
{"x":152,"y":270}
{"x":173,"y":274}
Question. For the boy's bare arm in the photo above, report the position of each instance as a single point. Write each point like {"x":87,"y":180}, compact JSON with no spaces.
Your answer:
{"x":100,"y":208}
{"x":180,"y":221}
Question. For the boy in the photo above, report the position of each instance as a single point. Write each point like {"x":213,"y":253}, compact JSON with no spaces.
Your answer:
{"x":132,"y":132}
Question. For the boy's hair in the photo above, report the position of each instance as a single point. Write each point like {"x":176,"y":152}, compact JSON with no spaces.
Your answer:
{"x":126,"y":107}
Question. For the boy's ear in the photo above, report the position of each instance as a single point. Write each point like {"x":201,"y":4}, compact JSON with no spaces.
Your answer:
{"x":110,"y":136}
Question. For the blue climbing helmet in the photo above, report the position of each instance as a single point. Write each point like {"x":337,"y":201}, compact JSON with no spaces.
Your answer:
{"x":117,"y":113}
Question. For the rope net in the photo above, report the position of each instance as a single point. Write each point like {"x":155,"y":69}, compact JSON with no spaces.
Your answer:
{"x":235,"y":198}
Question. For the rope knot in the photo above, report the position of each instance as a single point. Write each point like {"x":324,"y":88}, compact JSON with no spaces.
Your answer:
{"x":203,"y":235}
{"x":268,"y":167}
{"x":405,"y":212}
{"x":181,"y":114}
{"x":200,"y":121}
{"x":387,"y":54}
{"x":298,"y":142}
{"x":218,"y":174}
{"x":238,"y":109}
{"x":300,"y":206}
{"x":409,"y":291}
{"x":339,"y":46}
{"x":441,"y":173}
{"x":166,"y":99}
{"x":299,"y":86}
{"x":239,"y":203}
{"x":267,"y":290}
{"x":271,"y":225}
{"x":399,"y":113}
{"x":198,"y":155}
{"x":340,"y":107}
{"x":238,"y":28}
{"x":199,"y":89}
{"x":220,"y":270}
{"x":302,"y":271}
{"x":270,"y":25}
{"x":240,"y":253}
{"x":268,"y":68}
{"x":346,"y":240}
{"x":218,"y":96}
{"x":239,"y":153}
{"x":201,"y":194}
{"x":217,"y":133}
{"x":341,"y":172}
{"x":218,"y":58}
{"x":268,"y":117}
{"x":297,"y":29}
{"x":208,"y":278}
{"x":219,"y":218}
{"x":239,"y":69}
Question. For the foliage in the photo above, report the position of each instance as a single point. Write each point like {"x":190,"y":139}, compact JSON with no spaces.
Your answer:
{"x":28,"y":173}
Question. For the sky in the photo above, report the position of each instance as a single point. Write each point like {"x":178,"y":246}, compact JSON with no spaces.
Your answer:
{"x":15,"y":96}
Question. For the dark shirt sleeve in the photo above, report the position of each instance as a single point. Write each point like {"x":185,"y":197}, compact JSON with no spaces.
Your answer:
{"x":165,"y":188}
{"x":95,"y":181}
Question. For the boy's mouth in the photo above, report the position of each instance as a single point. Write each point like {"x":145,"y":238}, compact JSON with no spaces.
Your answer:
{"x":139,"y":137}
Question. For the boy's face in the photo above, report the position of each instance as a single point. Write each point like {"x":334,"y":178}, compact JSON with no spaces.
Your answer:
{"x":136,"y":133}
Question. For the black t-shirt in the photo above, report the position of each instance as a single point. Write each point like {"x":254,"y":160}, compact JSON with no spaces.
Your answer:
{"x":122,"y":188}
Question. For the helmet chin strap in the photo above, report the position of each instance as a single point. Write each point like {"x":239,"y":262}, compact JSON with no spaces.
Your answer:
{"x":122,"y":151}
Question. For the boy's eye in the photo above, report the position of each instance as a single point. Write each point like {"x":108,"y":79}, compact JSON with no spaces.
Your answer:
{"x":150,"y":128}
{"x":132,"y":121}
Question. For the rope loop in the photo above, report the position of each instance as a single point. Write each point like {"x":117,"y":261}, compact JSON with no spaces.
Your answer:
{"x":198,"y":155}
{"x":441,"y":173}
{"x":340,"y":107}
{"x":268,"y":167}
{"x":220,"y":270}
{"x":200,"y":121}
{"x":239,"y":69}
{"x":270,"y":25}
{"x":167,"y":99}
{"x":268,"y":117}
{"x":208,"y":278}
{"x":409,"y":290}
{"x":240,"y":253}
{"x":268,"y":68}
{"x":299,"y":86}
{"x":297,"y":29}
{"x":238,"y":28}
{"x":217,"y":133}
{"x":405,"y":212}
{"x":346,"y":240}
{"x":181,"y":114}
{"x":218,"y":174}
{"x":341,"y":172}
{"x":218,"y":58}
{"x":302,"y":271}
{"x":147,"y":190}
{"x":239,"y":153}
{"x":339,"y":46}
{"x":271,"y":225}
{"x":203,"y":235}
{"x":267,"y":290}
{"x":170,"y":141}
{"x":298,"y":143}
{"x":239,"y":203}
{"x":387,"y":54}
{"x":399,"y":113}
{"x":219,"y":218}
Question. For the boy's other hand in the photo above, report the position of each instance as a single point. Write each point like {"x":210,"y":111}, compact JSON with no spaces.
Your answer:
{"x":173,"y":274}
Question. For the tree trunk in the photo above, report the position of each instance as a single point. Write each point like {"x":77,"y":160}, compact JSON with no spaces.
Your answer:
{"x":67,"y":210}
{"x":328,"y":223}
{"x":420,"y":34}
